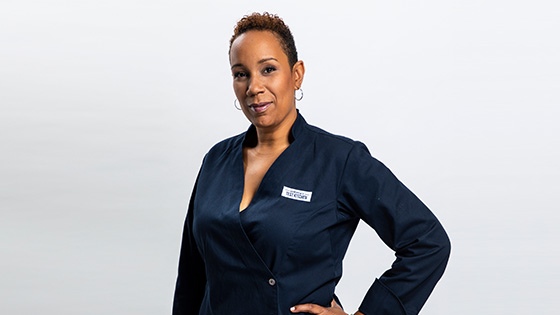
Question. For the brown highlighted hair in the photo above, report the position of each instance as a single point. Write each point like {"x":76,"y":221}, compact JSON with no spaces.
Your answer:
{"x":272,"y":23}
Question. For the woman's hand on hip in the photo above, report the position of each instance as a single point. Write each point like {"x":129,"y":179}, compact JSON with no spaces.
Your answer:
{"x":310,"y":308}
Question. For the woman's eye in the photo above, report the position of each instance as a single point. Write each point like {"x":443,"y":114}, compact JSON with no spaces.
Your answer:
{"x":269,"y":69}
{"x":237,"y":75}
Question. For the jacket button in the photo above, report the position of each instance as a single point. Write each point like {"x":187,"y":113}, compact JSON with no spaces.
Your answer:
{"x":271,"y":281}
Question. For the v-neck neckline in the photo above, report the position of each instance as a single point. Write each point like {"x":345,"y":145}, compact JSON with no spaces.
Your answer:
{"x":250,"y":137}
{"x":266,"y":175}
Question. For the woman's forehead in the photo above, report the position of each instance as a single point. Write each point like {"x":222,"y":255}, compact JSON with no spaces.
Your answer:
{"x":257,"y":43}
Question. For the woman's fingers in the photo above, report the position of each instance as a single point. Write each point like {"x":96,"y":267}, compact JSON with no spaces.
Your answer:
{"x":335,"y":309}
{"x":308,"y":308}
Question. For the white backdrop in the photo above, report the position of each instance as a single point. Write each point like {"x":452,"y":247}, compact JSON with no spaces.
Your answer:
{"x":107,"y":108}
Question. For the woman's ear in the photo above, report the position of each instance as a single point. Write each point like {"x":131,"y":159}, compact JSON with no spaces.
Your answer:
{"x":298,"y":70}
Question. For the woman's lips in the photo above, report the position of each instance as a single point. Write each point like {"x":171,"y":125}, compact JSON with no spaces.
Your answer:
{"x":260,"y":107}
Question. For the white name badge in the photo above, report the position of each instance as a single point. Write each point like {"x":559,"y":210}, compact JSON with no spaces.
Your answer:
{"x":296,"y":194}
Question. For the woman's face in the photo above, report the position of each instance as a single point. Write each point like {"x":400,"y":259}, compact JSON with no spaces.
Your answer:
{"x":263,"y":81}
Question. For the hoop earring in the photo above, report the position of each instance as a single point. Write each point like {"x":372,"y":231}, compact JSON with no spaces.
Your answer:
{"x":235,"y":104}
{"x":300,"y":96}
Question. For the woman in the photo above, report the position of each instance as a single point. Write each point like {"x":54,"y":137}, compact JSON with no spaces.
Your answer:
{"x":274,"y":208}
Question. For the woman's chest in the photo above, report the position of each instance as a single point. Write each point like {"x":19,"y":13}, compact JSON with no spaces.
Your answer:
{"x":294,"y":205}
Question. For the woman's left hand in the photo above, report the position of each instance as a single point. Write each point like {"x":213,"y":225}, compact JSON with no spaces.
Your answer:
{"x":334,"y":309}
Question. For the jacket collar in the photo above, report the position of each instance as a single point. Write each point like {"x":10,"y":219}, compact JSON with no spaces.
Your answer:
{"x":298,"y":127}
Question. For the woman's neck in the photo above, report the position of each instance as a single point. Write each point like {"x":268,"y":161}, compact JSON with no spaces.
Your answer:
{"x":274,"y":139}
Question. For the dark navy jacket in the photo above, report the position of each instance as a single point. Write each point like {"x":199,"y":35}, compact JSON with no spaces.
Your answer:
{"x":289,"y":248}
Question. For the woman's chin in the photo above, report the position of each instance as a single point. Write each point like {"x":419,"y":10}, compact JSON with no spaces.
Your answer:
{"x":263,"y":122}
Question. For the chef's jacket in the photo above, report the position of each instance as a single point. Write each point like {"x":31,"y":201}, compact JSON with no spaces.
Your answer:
{"x":286,"y":248}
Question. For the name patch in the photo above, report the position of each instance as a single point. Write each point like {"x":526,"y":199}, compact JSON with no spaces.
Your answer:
{"x":296,"y":194}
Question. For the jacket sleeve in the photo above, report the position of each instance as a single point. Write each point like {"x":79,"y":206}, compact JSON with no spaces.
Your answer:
{"x":191,"y":278}
{"x":422,"y":248}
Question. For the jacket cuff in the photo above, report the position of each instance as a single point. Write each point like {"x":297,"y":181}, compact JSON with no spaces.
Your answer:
{"x":380,"y":300}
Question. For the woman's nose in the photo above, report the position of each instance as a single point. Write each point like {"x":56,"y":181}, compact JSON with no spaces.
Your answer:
{"x":255,"y":86}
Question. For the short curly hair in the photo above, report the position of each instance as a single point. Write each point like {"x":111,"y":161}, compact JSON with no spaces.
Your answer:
{"x":268,"y":22}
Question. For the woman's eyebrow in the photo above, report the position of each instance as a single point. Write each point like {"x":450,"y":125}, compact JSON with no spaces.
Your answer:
{"x":260,"y":62}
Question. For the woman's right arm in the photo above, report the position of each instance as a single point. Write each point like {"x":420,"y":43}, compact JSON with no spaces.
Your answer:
{"x":191,"y":278}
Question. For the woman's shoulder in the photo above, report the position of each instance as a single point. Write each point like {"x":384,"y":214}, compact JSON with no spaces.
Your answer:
{"x":335,"y":142}
{"x":225,"y":146}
